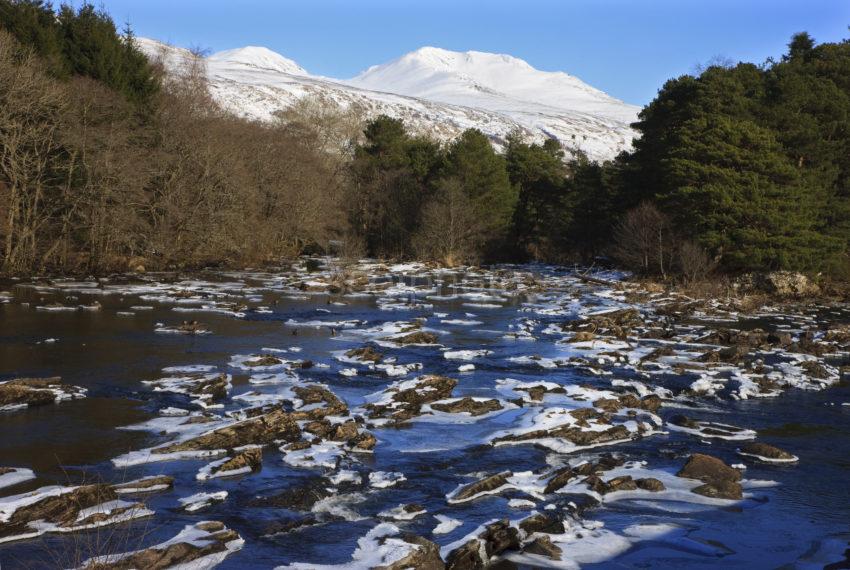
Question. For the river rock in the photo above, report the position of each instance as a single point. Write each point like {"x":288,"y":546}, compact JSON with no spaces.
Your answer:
{"x":560,"y":478}
{"x":365,"y":354}
{"x":573,"y":434}
{"x":314,"y":394}
{"x":650,"y":484}
{"x":263,"y":360}
{"x":261,"y":430}
{"x":542,"y":522}
{"x":424,"y":556}
{"x":418,"y":337}
{"x":145,"y":485}
{"x":468,"y":405}
{"x":721,"y":481}
{"x":543,"y":546}
{"x":62,"y":512}
{"x":298,"y":497}
{"x":202,"y":540}
{"x":251,"y":458}
{"x":406,"y":403}
{"x":487,"y":484}
{"x":32,"y":392}
{"x":769,"y":452}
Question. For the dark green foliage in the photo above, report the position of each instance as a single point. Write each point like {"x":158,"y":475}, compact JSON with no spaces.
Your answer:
{"x":393,"y":174}
{"x":81,"y":42}
{"x":541,"y":216}
{"x":483,"y":177}
{"x":751,"y":162}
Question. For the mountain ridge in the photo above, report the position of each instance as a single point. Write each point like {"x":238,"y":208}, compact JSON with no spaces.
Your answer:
{"x":435,"y":91}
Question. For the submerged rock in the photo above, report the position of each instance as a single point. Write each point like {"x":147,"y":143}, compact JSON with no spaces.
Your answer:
{"x":767,"y":453}
{"x":299,"y":497}
{"x":145,"y":485}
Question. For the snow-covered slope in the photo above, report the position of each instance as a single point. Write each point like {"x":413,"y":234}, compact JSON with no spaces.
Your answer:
{"x":434,"y":91}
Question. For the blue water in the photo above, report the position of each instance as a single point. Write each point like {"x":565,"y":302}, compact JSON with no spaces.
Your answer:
{"x":782,"y":526}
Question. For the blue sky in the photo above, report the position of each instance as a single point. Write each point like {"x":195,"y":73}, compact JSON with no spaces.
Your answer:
{"x":626,"y":48}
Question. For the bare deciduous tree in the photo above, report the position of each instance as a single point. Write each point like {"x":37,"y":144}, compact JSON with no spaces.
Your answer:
{"x":643,"y":240}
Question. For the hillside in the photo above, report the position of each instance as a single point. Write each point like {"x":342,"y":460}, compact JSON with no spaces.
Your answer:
{"x":433,"y":91}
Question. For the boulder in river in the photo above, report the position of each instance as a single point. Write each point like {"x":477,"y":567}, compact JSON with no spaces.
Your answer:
{"x":721,"y":481}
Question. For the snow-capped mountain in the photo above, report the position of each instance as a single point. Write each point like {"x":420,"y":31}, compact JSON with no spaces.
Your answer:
{"x":432,"y":90}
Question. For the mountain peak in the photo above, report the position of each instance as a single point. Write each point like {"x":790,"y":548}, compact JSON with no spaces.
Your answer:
{"x":497,"y":82}
{"x":260,"y":58}
{"x":453,"y":60}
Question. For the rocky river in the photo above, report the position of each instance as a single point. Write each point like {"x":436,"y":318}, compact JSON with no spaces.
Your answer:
{"x":331,"y":415}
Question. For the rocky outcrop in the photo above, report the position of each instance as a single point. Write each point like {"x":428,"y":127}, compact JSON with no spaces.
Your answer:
{"x":778,"y":283}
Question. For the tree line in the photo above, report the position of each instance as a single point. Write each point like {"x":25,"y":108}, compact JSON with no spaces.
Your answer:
{"x":109,"y":163}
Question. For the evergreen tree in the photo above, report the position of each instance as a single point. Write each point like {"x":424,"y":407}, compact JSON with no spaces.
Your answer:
{"x":483,"y":176}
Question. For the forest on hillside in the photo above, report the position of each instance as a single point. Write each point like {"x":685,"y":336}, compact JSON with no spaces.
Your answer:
{"x":108,"y":164}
